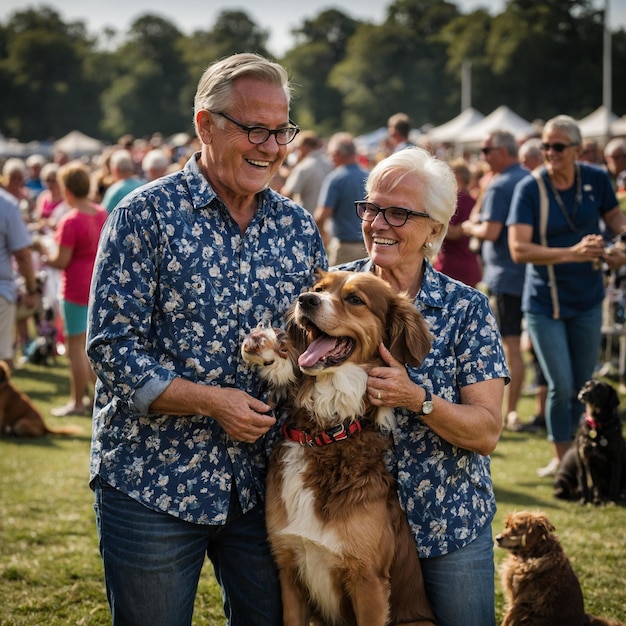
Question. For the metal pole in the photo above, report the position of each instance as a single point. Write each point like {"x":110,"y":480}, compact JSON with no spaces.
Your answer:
{"x":606,"y":75}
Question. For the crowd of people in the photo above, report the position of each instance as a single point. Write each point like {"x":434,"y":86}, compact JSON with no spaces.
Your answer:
{"x":159,"y":261}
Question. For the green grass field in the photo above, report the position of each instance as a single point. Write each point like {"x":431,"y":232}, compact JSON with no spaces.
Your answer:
{"x":50,"y":569}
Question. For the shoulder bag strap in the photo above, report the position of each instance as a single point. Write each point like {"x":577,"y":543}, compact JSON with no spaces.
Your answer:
{"x":543,"y":227}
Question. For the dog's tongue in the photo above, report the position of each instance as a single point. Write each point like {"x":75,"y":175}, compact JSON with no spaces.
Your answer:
{"x":318,"y":349}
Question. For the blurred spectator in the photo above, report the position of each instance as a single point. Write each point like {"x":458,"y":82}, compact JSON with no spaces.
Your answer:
{"x":155,"y":164}
{"x":504,"y":278}
{"x":455,"y":258}
{"x":15,"y":244}
{"x":399,"y":129}
{"x":14,"y":181}
{"x":34,"y":163}
{"x":590,"y":152}
{"x":530,"y":154}
{"x":50,"y":198}
{"x":336,"y":214}
{"x":123,"y":172}
{"x":76,"y":236}
{"x":615,"y":157}
{"x":304,"y":182}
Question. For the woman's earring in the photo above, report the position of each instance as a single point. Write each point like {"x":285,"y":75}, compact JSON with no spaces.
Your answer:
{"x":427,"y":245}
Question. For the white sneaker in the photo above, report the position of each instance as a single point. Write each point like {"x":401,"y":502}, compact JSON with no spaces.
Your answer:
{"x":513,"y":422}
{"x":549,"y":470}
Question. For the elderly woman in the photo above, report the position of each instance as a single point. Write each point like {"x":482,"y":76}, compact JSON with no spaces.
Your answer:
{"x":449,"y":410}
{"x":563,"y":288}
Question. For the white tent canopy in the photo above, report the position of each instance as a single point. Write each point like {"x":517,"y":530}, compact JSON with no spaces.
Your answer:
{"x":618,"y":128}
{"x":501,"y":118}
{"x":597,"y":124}
{"x":76,"y":144}
{"x":450,"y":131}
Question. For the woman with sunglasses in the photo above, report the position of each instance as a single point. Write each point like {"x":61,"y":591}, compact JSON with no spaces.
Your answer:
{"x":449,"y":410}
{"x":564,"y":289}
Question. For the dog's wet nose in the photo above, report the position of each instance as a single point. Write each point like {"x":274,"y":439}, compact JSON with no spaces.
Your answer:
{"x":309,"y":300}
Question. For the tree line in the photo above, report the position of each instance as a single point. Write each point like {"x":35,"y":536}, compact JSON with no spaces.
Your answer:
{"x":538,"y":58}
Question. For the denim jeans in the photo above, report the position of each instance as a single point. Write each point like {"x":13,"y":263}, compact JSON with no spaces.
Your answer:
{"x":460,"y":585}
{"x":152,"y":564}
{"x":567,"y":351}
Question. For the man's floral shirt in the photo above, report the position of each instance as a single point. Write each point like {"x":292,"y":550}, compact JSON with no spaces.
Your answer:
{"x":176,"y":288}
{"x":446,"y":491}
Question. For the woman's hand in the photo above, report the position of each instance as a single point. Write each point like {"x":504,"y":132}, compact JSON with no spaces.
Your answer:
{"x":589,"y":248}
{"x":391,"y":386}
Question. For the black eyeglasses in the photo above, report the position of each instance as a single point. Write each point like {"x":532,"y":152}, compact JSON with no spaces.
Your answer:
{"x":259,"y":134}
{"x":557,"y":147}
{"x":393,"y":215}
{"x":488,"y":149}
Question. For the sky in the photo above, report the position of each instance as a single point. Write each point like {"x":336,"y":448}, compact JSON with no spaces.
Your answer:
{"x":279,"y":17}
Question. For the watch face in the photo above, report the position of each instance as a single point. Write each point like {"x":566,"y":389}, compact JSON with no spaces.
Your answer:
{"x":427,"y":407}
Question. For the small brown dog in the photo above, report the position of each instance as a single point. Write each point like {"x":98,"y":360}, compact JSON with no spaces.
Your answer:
{"x":19,"y":416}
{"x":540,"y":585}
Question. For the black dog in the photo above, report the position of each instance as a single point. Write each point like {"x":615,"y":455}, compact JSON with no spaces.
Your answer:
{"x":594,"y":468}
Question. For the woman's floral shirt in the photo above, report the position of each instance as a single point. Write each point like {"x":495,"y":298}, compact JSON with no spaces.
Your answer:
{"x":446,"y":491}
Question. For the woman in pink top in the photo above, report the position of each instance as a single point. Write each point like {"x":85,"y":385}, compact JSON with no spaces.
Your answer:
{"x":77,"y":235}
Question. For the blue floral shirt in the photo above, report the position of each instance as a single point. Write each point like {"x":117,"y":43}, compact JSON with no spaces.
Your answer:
{"x":446,"y":491}
{"x":176,"y":288}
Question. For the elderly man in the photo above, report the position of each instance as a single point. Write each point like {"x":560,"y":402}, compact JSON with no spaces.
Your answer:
{"x":188,"y":265}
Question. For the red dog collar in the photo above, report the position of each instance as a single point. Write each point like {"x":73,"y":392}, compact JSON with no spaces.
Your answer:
{"x":338,"y":433}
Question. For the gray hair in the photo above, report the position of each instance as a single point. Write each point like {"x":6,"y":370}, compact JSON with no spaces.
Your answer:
{"x":437,"y":191}
{"x":47,"y":169}
{"x":122,"y":160}
{"x":343,"y":144}
{"x":215,"y":89}
{"x":617,"y":143}
{"x":567,"y":125}
{"x":531,"y":148}
{"x":14,"y":165}
{"x":155,"y":159}
{"x":504,"y":139}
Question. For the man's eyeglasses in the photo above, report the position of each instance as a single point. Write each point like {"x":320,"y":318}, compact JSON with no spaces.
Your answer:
{"x":259,"y":134}
{"x":488,"y":149}
{"x":557,"y":147}
{"x":393,"y":215}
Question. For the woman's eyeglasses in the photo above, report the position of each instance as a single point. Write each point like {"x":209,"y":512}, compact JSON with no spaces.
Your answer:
{"x":393,"y":215}
{"x":557,"y":147}
{"x":259,"y":134}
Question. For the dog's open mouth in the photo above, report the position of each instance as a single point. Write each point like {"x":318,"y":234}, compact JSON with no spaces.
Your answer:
{"x":325,"y":351}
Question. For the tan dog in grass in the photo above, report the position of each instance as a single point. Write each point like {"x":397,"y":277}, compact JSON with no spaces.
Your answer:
{"x":540,"y":585}
{"x":19,"y":416}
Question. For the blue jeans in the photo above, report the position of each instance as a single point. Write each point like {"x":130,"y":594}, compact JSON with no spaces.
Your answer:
{"x":567,"y":351}
{"x":152,"y":563}
{"x":460,"y":585}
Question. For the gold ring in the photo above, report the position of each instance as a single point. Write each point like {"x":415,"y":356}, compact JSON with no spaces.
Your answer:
{"x":379,"y":396}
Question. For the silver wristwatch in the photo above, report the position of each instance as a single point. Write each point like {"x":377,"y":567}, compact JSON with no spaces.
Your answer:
{"x":427,"y":405}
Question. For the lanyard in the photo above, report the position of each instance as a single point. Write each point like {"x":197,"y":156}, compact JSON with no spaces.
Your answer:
{"x":577,"y":200}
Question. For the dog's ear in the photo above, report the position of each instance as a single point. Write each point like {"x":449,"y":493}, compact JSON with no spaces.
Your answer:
{"x":409,"y":337}
{"x":544,"y":525}
{"x":613,"y":399}
{"x":5,"y":372}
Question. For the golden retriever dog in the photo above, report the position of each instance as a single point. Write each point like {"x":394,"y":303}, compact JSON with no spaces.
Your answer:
{"x":19,"y":416}
{"x":344,"y":549}
{"x":540,"y":585}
